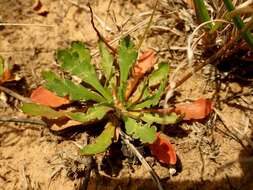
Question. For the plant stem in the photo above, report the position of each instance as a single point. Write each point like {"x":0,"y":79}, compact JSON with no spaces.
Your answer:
{"x":239,"y":23}
{"x":148,"y":26}
{"x":14,"y":94}
{"x":153,"y":174}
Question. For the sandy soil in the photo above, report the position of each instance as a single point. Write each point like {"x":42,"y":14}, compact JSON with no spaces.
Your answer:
{"x":32,"y":157}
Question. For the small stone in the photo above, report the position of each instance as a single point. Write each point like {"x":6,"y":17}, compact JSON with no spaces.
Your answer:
{"x":172,"y":171}
{"x":235,"y":87}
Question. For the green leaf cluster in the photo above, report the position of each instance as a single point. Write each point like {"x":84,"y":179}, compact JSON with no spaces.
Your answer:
{"x":107,"y":96}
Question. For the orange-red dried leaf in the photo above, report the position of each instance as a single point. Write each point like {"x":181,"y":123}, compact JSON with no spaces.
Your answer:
{"x":6,"y":76}
{"x":144,"y":64}
{"x":163,"y":150}
{"x":198,"y":109}
{"x":45,"y":97}
{"x":190,"y":3}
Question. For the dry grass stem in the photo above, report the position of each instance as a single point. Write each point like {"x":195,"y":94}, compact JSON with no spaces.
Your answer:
{"x":23,"y":120}
{"x":241,"y":135}
{"x":86,"y":8}
{"x":137,"y":27}
{"x":14,"y":94}
{"x":174,"y":31}
{"x":245,"y":4}
{"x":155,"y":177}
{"x":175,"y":84}
{"x":190,"y":49}
{"x":26,"y":24}
{"x":148,"y":26}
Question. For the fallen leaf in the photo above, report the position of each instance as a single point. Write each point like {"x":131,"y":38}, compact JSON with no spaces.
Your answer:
{"x":198,"y":109}
{"x":144,"y":64}
{"x":190,"y":3}
{"x":45,"y":97}
{"x":163,"y":150}
{"x":5,"y":72}
{"x":6,"y":76}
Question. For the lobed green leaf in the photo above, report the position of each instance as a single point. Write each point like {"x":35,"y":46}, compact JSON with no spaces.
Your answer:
{"x":106,"y":60}
{"x":139,"y":92}
{"x":146,"y":133}
{"x":64,"y":87}
{"x":127,"y":57}
{"x":94,"y":113}
{"x":153,"y":100}
{"x":40,"y":110}
{"x":102,"y":142}
{"x":77,"y":61}
{"x":161,"y":73}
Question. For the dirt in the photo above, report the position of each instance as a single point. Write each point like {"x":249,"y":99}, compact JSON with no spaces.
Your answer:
{"x":32,"y":157}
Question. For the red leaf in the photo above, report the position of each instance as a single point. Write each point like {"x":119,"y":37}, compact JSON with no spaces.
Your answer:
{"x":190,"y":3}
{"x":6,"y":76}
{"x":48,"y":98}
{"x":198,"y":109}
{"x":163,"y":150}
{"x":144,"y":64}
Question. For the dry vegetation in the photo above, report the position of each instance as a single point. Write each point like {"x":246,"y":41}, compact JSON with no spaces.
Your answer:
{"x":213,"y":154}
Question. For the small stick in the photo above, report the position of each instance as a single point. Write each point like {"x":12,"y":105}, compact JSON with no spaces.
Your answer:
{"x":176,"y":83}
{"x":102,"y":23}
{"x":190,"y":39}
{"x":15,"y":95}
{"x":159,"y":111}
{"x":131,"y":30}
{"x":25,"y":24}
{"x":153,"y":174}
{"x":236,"y":132}
{"x":148,"y":26}
{"x":21,"y":120}
{"x":98,"y":33}
{"x":24,"y":177}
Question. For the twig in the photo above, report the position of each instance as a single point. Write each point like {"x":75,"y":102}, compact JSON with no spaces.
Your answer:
{"x":240,"y":137}
{"x":176,"y":83}
{"x":148,"y":26}
{"x":23,"y":120}
{"x":211,"y":60}
{"x":98,"y":33}
{"x":190,"y":39}
{"x":245,"y":4}
{"x":155,"y":177}
{"x":86,"y":178}
{"x":86,"y":8}
{"x":15,"y":95}
{"x":25,"y":24}
{"x":174,"y":31}
{"x":24,"y":177}
{"x":230,"y":163}
{"x":134,"y":28}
